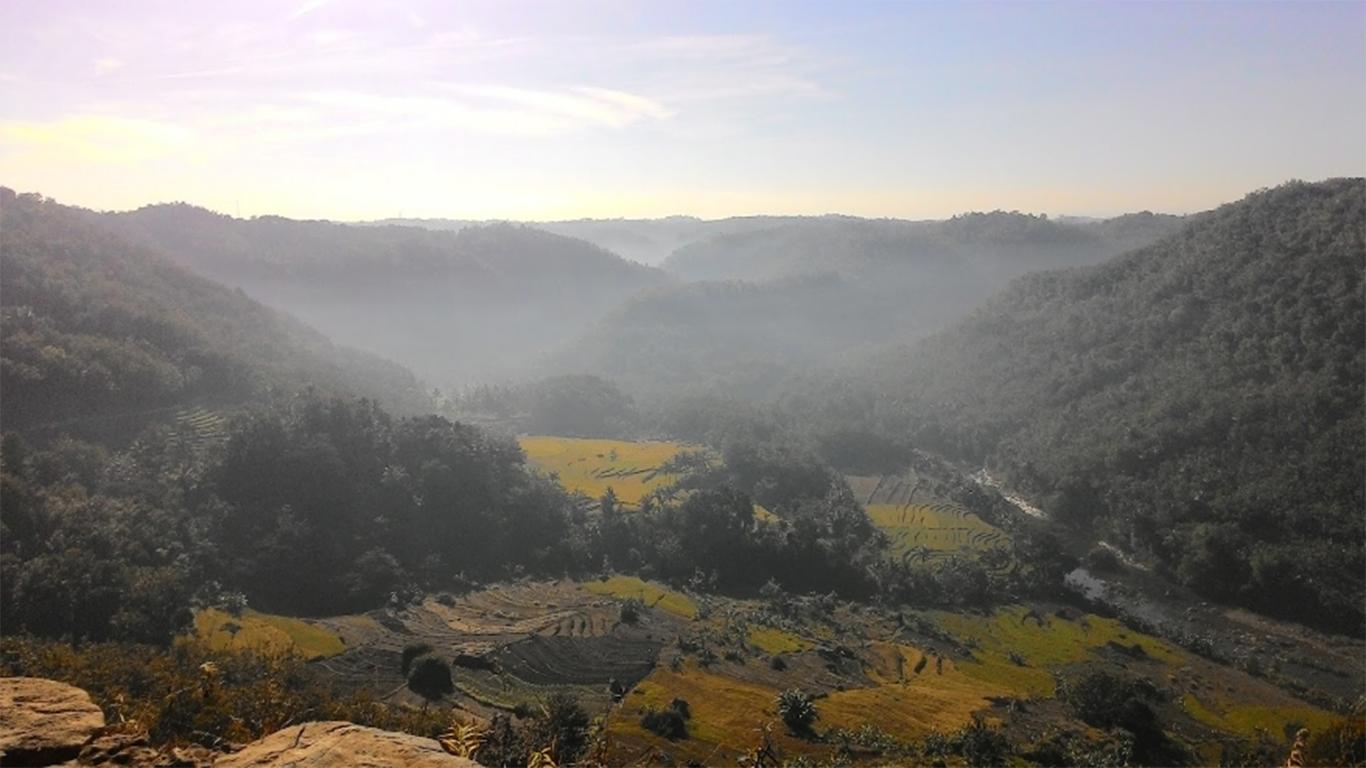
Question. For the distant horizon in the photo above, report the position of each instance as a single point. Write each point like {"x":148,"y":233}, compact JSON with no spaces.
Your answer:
{"x":1051,"y":215}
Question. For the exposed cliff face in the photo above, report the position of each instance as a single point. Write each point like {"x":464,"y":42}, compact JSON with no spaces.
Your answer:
{"x":44,"y":722}
{"x":342,"y":744}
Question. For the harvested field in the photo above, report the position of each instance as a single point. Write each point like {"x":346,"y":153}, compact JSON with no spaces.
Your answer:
{"x":555,"y":608}
{"x":543,"y":660}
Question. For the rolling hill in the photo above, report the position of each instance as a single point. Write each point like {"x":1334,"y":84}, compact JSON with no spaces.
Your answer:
{"x":96,"y":326}
{"x":771,"y":303}
{"x":477,"y":303}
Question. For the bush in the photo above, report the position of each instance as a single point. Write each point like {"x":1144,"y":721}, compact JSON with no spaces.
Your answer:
{"x":668,"y":723}
{"x":798,"y":711}
{"x":1341,"y":743}
{"x":431,"y":678}
{"x":982,"y":745}
{"x":631,"y":609}
{"x":563,"y":723}
{"x":410,"y":654}
{"x":1105,"y":699}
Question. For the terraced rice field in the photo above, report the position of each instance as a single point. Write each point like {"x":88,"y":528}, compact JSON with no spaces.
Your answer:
{"x":580,"y":660}
{"x":630,"y":469}
{"x":517,"y":643}
{"x":263,"y":631}
{"x":927,"y":531}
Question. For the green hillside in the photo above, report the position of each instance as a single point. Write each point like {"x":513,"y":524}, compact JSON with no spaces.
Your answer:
{"x":1198,"y":401}
{"x":96,"y":327}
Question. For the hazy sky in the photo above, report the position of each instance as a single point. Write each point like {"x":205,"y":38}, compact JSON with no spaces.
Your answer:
{"x":349,"y":110}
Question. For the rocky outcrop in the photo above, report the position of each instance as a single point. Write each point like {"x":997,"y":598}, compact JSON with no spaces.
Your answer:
{"x":44,"y":722}
{"x":342,"y":744}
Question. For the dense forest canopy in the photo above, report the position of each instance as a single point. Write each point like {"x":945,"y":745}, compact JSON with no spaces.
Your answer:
{"x":97,"y":326}
{"x":1198,"y":400}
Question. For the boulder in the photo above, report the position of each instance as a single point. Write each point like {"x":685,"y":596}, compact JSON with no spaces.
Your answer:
{"x":44,"y":722}
{"x":345,"y":745}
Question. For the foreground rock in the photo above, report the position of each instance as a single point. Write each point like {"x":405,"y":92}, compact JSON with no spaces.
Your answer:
{"x":44,"y":722}
{"x":343,"y":744}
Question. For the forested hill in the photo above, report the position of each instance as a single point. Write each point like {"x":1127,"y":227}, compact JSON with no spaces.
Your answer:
{"x":803,"y":294}
{"x":1199,"y":400}
{"x":985,"y":247}
{"x":476,"y":303}
{"x":96,"y":326}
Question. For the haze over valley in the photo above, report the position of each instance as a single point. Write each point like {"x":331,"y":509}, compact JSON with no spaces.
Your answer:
{"x":1002,"y":422}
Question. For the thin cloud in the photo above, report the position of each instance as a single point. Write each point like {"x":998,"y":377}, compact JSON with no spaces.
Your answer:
{"x":308,"y":7}
{"x":587,"y":105}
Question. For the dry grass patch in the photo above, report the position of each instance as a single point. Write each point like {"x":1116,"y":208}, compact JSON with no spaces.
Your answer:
{"x":772,"y":640}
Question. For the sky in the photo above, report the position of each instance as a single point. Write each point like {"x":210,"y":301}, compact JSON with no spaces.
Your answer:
{"x":353,"y":110}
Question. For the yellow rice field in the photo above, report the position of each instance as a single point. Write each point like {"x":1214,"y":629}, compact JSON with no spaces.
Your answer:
{"x":591,"y":466}
{"x":931,"y":530}
{"x":264,"y":632}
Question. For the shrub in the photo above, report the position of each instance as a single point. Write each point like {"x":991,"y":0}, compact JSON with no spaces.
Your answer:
{"x":431,"y":678}
{"x":410,"y":654}
{"x":631,"y":609}
{"x":798,"y":711}
{"x":1342,"y":743}
{"x":668,"y":723}
{"x":563,"y":723}
{"x":983,"y":745}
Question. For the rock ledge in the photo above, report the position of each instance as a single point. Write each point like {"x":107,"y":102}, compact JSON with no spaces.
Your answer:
{"x":44,"y":722}
{"x":336,"y":743}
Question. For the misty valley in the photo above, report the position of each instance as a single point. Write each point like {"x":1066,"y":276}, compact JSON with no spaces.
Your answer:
{"x":997,"y":489}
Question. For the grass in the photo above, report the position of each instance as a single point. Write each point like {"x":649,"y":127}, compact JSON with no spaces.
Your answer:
{"x":1056,"y":643}
{"x":591,"y":466}
{"x":933,"y":529}
{"x":725,"y":714}
{"x":917,"y":694}
{"x":771,"y":640}
{"x":1247,"y":720}
{"x":265,"y":632}
{"x":652,"y":595}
